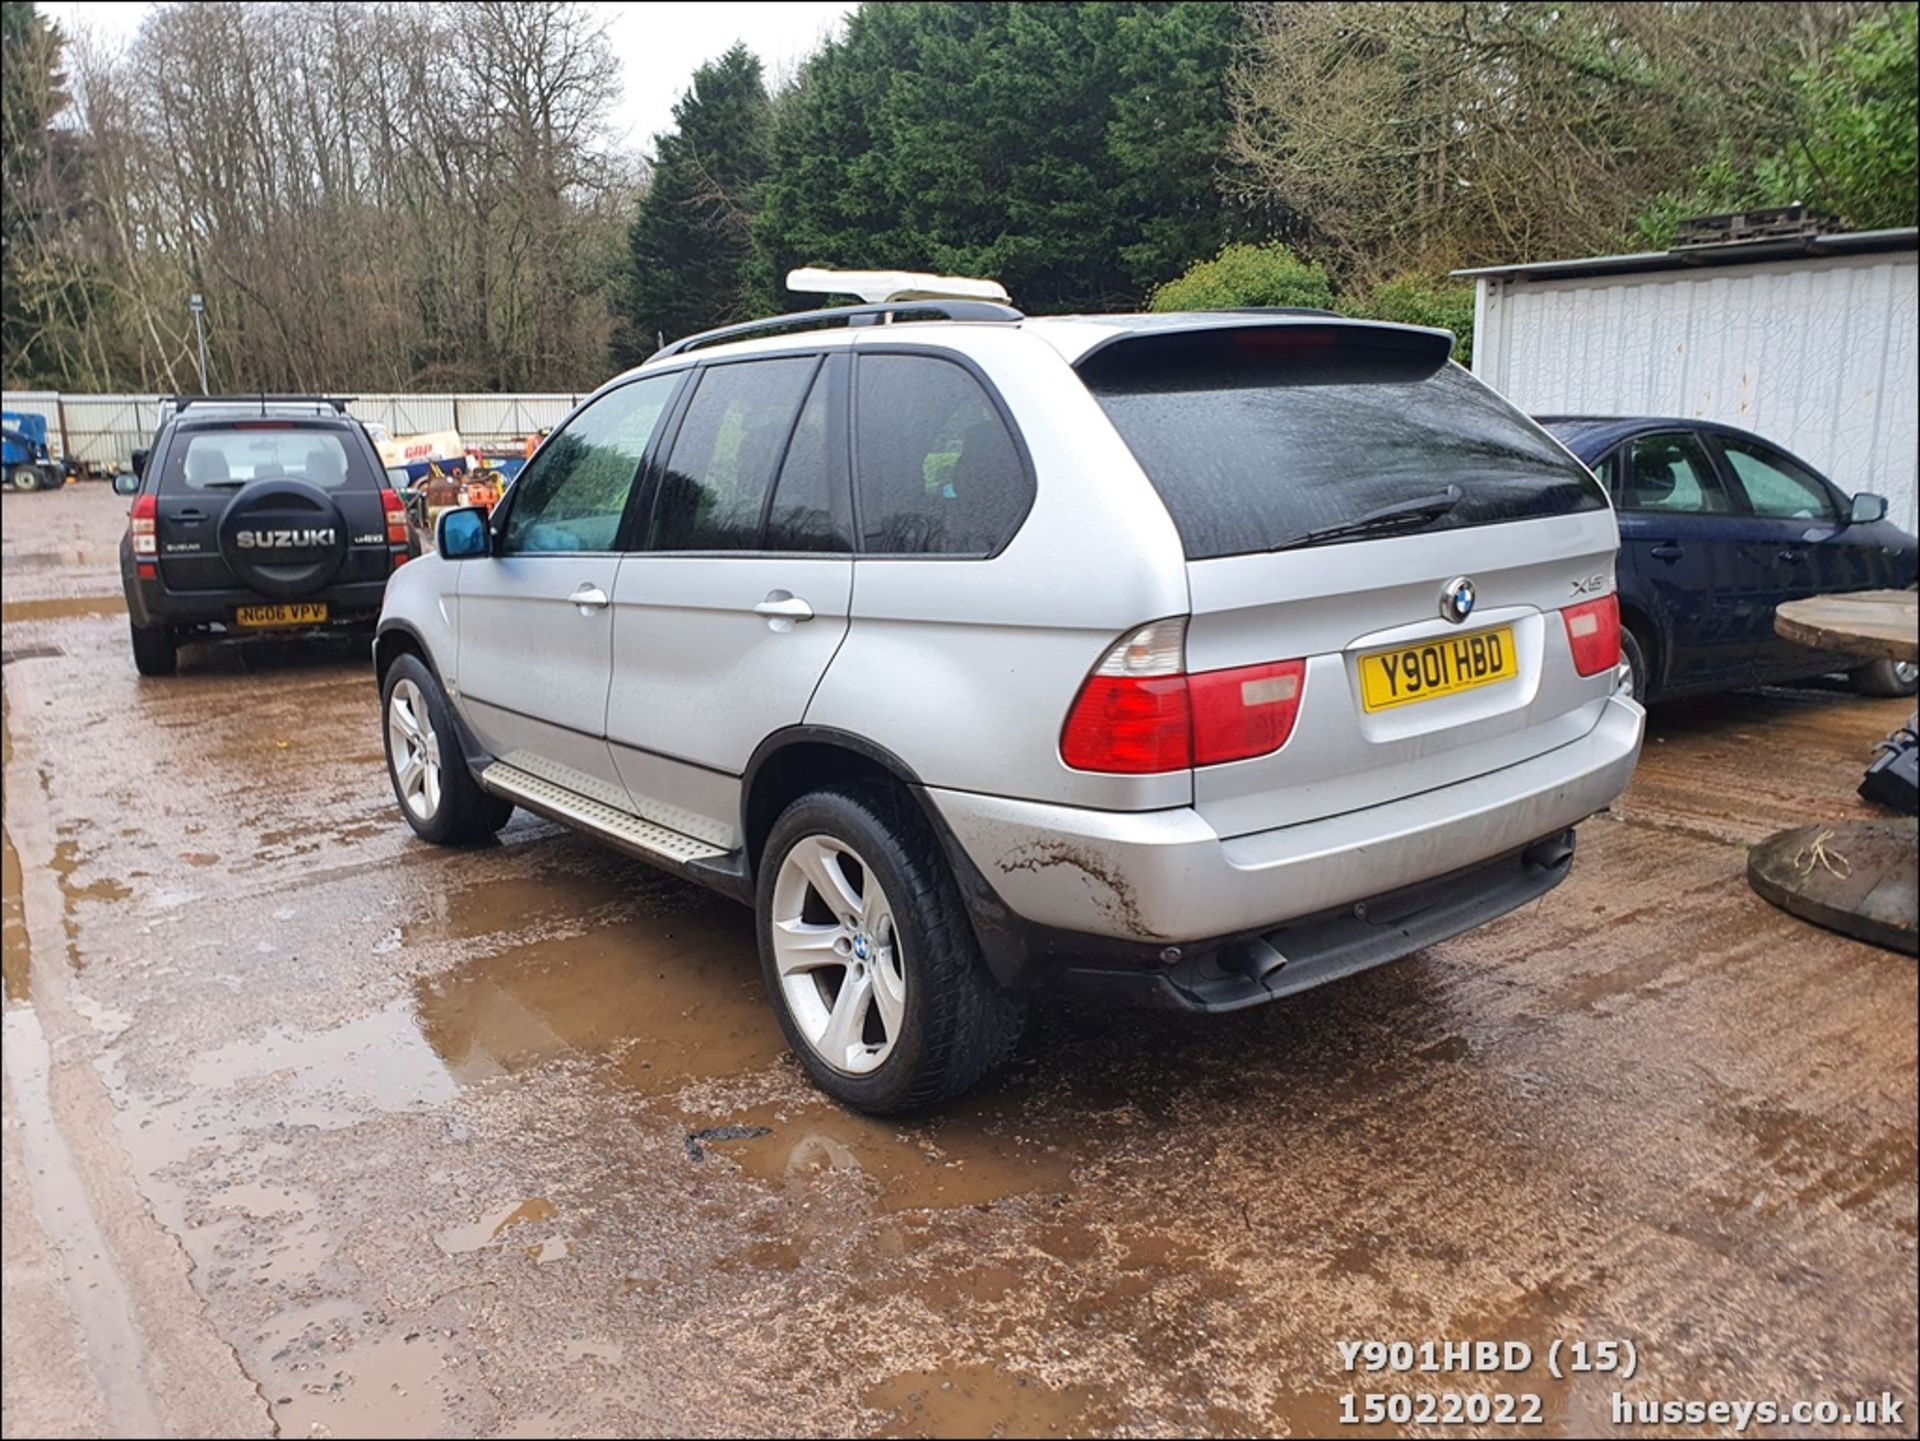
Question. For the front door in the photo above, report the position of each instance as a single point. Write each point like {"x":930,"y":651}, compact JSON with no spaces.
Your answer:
{"x":736,"y":595}
{"x":536,"y":618}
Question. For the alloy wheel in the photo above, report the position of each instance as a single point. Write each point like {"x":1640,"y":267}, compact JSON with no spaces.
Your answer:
{"x":413,"y":750}
{"x":838,"y":954}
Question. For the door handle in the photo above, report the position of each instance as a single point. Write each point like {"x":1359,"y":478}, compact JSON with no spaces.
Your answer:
{"x":1792,"y":555}
{"x":783,"y":609}
{"x":589,"y":598}
{"x":192,"y":517}
{"x":1668,"y":551}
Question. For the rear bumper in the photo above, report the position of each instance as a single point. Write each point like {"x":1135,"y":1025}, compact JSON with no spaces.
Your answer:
{"x":1249,"y":970}
{"x":1164,"y":878}
{"x":152,"y":604}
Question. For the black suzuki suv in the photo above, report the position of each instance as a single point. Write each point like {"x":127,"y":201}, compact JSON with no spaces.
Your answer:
{"x":255,"y":514}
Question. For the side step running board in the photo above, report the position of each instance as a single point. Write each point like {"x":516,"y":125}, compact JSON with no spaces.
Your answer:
{"x":617,"y":827}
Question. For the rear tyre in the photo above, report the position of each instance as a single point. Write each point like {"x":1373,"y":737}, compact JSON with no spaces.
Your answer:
{"x":1886,"y":677}
{"x":1635,"y":655}
{"x":24,"y":477}
{"x":437,"y":793}
{"x":155,"y":651}
{"x":868,"y":955}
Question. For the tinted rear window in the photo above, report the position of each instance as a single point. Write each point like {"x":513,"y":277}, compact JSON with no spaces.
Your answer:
{"x":1255,"y":438}
{"x":229,"y":459}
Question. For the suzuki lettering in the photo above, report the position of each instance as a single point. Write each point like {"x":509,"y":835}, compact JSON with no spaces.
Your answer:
{"x":281,"y":539}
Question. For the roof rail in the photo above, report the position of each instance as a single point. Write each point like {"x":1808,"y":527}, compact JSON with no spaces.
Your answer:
{"x":849,"y":315}
{"x":338,"y":402}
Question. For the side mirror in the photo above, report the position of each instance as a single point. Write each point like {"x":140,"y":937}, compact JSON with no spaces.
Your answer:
{"x":140,"y":463}
{"x":1867,"y":508}
{"x":126,"y":483}
{"x":462,"y":533}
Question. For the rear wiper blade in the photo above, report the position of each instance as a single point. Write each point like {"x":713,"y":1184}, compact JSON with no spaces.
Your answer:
{"x":1420,"y":509}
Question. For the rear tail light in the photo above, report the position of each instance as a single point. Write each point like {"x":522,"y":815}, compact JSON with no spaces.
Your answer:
{"x":1593,"y":634}
{"x":146,"y":515}
{"x":396,"y":509}
{"x":1140,"y":713}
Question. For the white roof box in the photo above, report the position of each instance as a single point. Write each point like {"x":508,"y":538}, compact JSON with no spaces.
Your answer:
{"x":880,"y":287}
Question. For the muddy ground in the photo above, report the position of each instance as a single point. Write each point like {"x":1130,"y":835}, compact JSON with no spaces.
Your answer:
{"x":314,"y":1129}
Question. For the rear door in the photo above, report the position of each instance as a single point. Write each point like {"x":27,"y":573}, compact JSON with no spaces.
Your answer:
{"x":736,"y":594}
{"x":536,"y":618}
{"x":1261,"y":440}
{"x":1704,"y":568}
{"x":277,"y":507}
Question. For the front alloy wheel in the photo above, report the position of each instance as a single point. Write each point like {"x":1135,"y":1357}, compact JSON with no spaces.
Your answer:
{"x":838,"y":955}
{"x":415,"y":749}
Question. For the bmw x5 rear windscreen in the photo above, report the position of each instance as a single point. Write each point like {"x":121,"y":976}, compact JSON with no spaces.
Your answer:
{"x":1264,"y":437}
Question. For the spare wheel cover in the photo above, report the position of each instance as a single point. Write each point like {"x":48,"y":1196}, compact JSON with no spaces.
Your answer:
{"x":283,"y":537}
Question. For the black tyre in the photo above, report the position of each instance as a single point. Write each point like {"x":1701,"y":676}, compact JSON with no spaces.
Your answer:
{"x":24,"y":477}
{"x":1635,"y":655}
{"x":869,"y":959}
{"x":1886,"y":677}
{"x":427,"y":765}
{"x":155,"y":651}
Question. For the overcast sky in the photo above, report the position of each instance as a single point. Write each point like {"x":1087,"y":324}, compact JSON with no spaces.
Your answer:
{"x":657,"y":45}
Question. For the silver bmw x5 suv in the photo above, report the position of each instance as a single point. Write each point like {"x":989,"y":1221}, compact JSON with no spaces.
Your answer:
{"x":1189,"y":660}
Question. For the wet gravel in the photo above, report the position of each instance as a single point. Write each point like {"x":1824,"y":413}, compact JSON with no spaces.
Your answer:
{"x":380,"y":1139}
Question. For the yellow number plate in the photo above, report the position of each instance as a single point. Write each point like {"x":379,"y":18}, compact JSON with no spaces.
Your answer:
{"x":262,"y":617}
{"x":1431,"y":668}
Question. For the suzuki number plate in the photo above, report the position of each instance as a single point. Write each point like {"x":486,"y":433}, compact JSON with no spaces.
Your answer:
{"x":261,"y":617}
{"x":1430,"y":668}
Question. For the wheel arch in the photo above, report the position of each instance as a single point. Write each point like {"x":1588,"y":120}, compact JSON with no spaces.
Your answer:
{"x":791,"y":762}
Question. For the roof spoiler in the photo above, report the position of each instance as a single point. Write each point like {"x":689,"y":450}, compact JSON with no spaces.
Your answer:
{"x":1273,"y":334}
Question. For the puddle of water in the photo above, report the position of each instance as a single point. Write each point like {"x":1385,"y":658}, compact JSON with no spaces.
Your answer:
{"x":332,"y":1078}
{"x":976,"y":1400}
{"x":515,"y":904}
{"x":16,"y":612}
{"x":970,"y":1156}
{"x":94,"y":1290}
{"x":15,"y":959}
{"x":668,"y":1000}
{"x":491,"y":1227}
{"x":326,"y":1377}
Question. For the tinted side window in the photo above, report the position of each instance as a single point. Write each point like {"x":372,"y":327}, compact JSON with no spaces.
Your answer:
{"x":1775,"y":485}
{"x":937,"y":473}
{"x":571,"y":495}
{"x":714,"y":488}
{"x":1671,"y":473}
{"x":807,"y":511}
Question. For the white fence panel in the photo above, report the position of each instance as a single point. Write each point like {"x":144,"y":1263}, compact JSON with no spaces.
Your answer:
{"x":103,"y":431}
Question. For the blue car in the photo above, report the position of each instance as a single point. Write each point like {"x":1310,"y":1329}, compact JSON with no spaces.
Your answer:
{"x":1717,"y":527}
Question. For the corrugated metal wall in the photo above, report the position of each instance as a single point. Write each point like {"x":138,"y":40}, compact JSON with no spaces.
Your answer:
{"x":105,"y":430}
{"x":1821,"y":355}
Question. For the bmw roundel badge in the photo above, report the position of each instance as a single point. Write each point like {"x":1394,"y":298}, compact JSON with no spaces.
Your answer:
{"x":1456,"y":599}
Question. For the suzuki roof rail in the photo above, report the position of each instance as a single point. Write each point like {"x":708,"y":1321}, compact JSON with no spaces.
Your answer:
{"x":338,"y":403}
